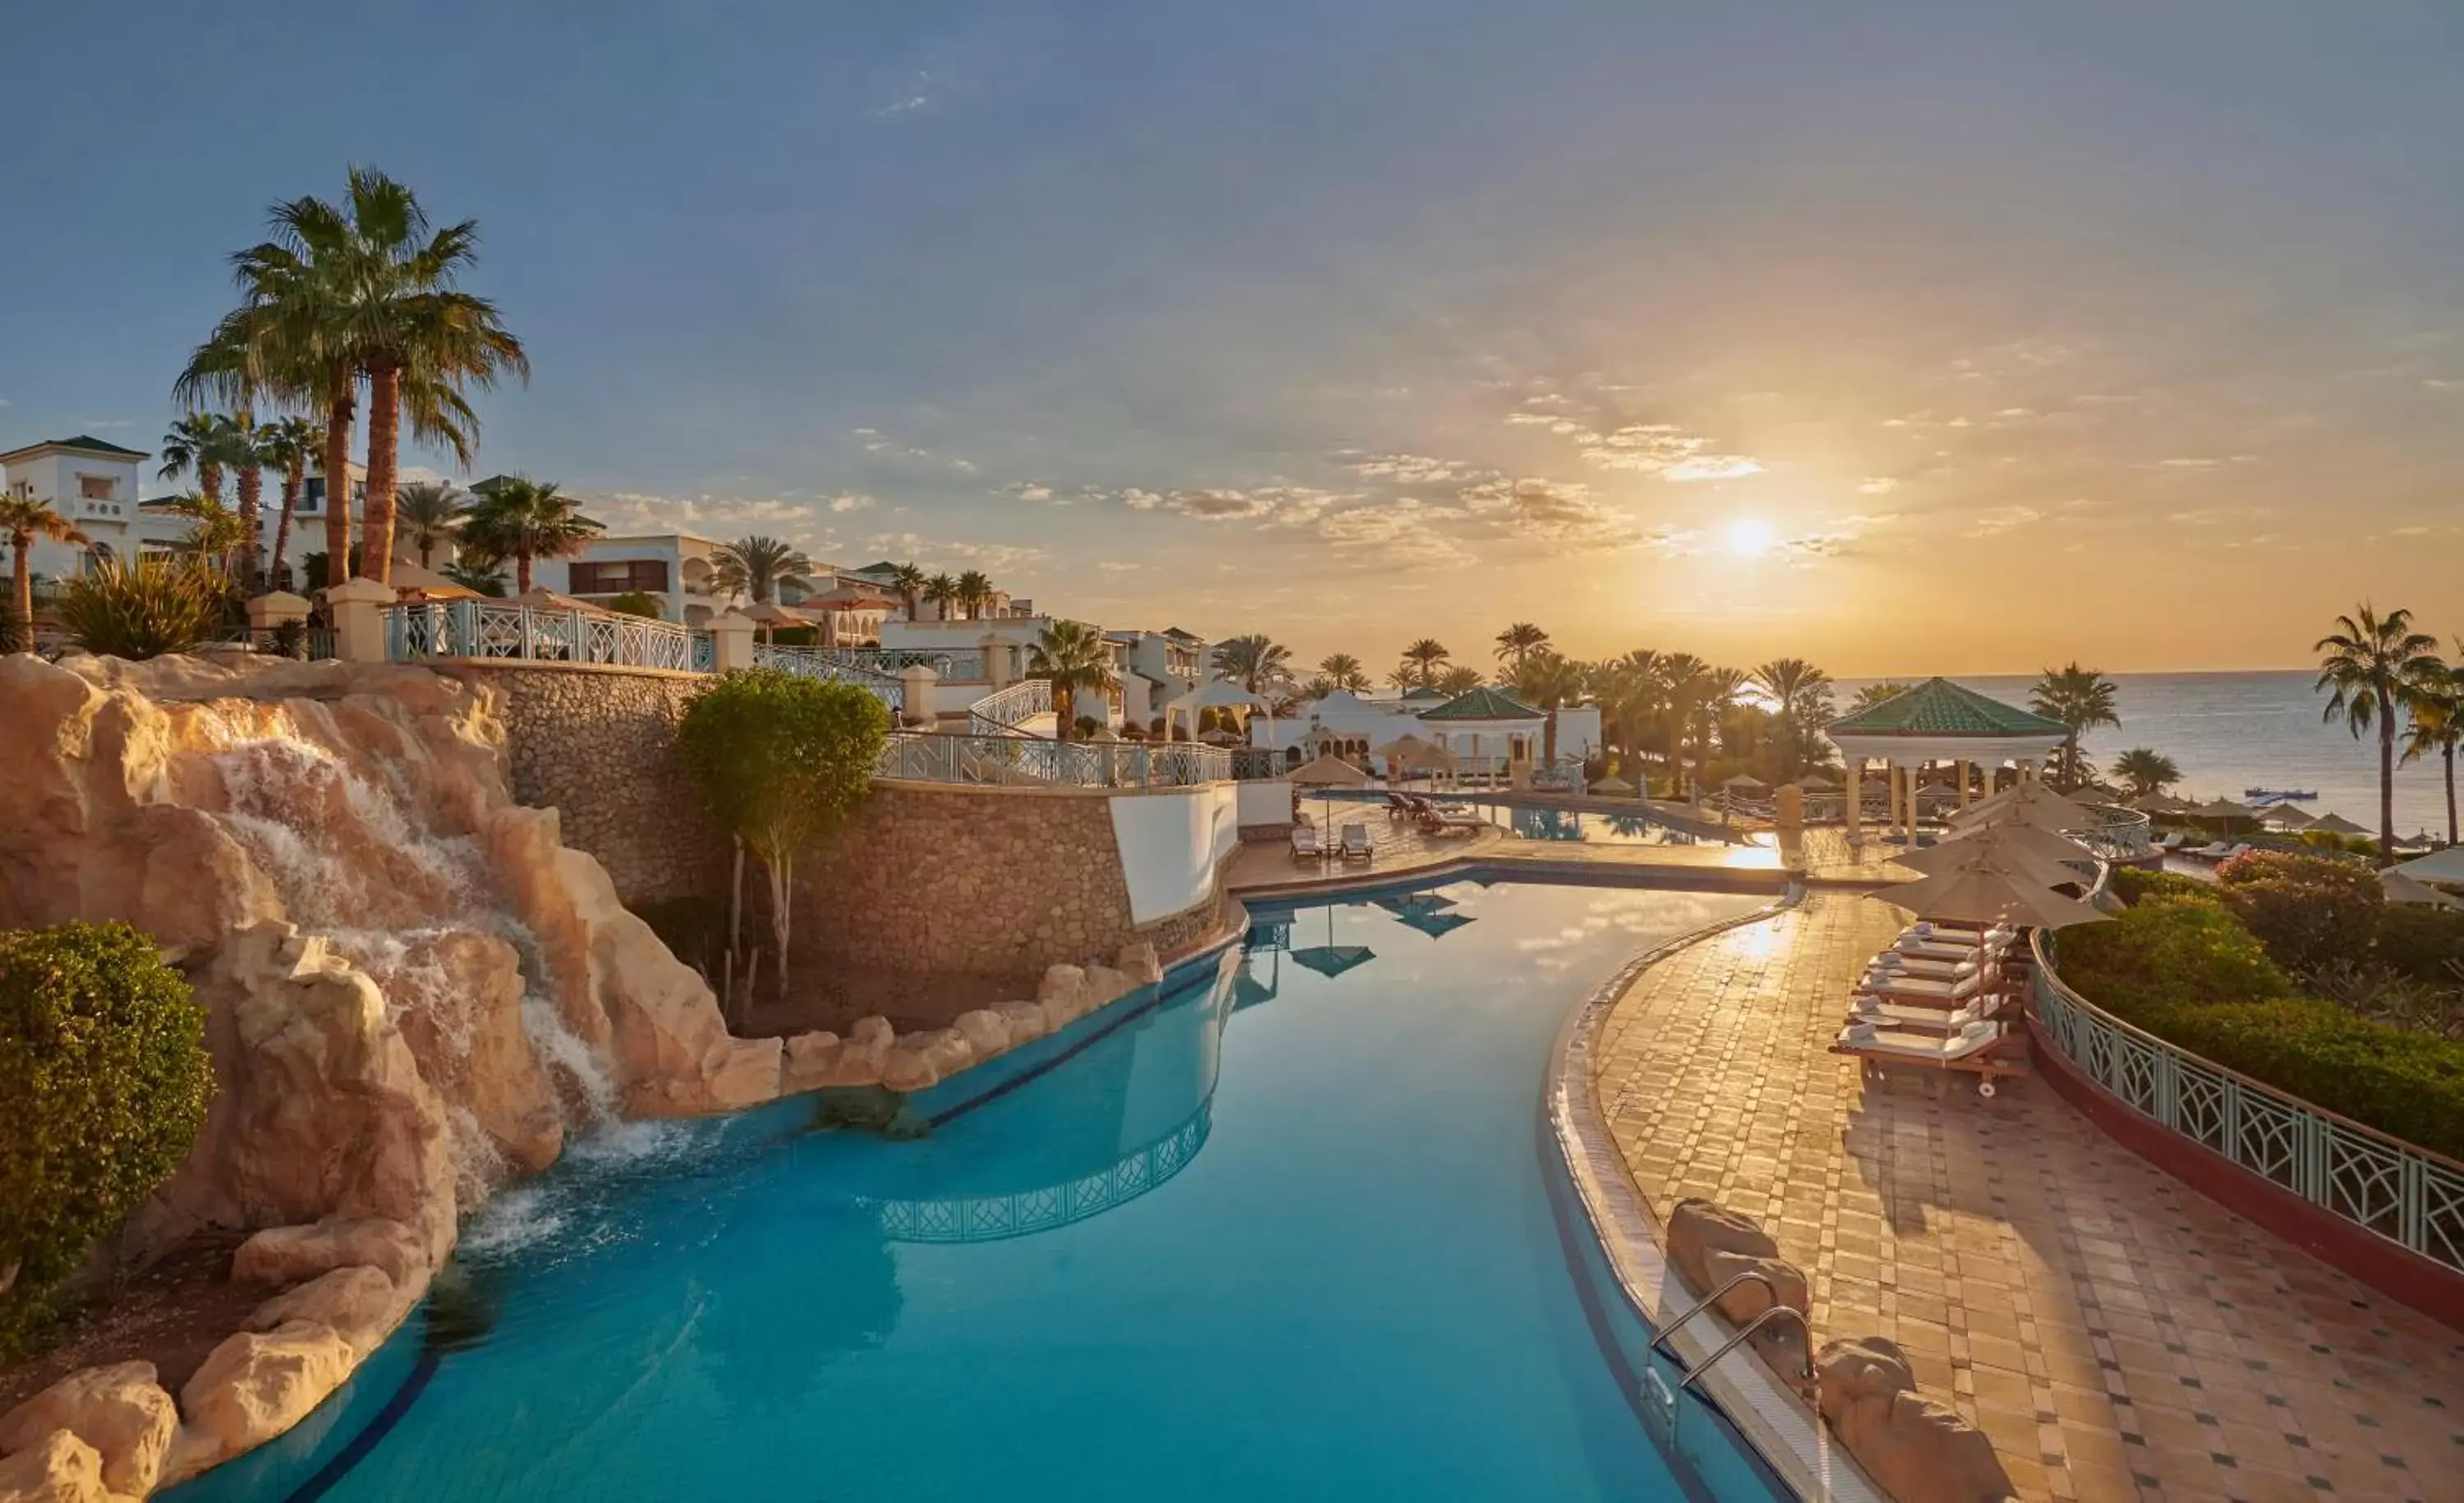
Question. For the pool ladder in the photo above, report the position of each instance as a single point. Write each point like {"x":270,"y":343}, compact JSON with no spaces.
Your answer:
{"x":1667,"y":1396}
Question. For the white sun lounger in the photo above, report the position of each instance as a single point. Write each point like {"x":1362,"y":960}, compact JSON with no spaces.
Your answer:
{"x":1355,"y":843}
{"x":1870,"y":1009}
{"x":1924,"y":991}
{"x":1980,"y":1047}
{"x":1306,"y":846}
{"x":1930,"y":967}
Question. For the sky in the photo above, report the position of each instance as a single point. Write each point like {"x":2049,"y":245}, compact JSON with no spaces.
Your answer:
{"x":1904,"y":338}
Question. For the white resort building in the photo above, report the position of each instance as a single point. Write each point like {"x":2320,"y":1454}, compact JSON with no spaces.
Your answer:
{"x":96,"y":486}
{"x":1486,"y":732}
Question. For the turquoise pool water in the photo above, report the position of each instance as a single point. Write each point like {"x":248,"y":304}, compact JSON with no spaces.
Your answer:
{"x":1290,"y":1232}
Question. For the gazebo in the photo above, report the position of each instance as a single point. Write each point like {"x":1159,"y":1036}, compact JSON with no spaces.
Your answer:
{"x":1216,"y":694}
{"x":1486,"y":726}
{"x":1938,"y":721}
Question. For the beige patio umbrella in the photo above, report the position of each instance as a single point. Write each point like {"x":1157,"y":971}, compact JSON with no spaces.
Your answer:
{"x":769,"y":614}
{"x":409,"y":576}
{"x":1408,"y":753}
{"x":1816,"y":782}
{"x":2029,"y":804}
{"x":1989,"y":851}
{"x":2337,"y":825}
{"x":2017,"y":836}
{"x":1327,"y":772}
{"x":1615,"y":788}
{"x":1988,"y":893}
{"x":2284,"y":816}
{"x":1744,"y":783}
{"x":2405,"y":888}
{"x":2163,"y":803}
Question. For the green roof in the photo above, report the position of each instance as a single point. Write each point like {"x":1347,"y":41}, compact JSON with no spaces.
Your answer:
{"x":1938,"y":707}
{"x":84,"y":441}
{"x":1482,"y":703}
{"x":1426,"y":692}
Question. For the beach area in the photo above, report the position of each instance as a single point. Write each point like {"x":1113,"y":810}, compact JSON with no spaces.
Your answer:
{"x":2231,"y":732}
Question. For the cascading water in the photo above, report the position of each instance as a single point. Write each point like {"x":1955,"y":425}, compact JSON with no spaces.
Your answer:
{"x":358,"y":857}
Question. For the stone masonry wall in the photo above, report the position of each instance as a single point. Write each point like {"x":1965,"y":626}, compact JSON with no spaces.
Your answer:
{"x":598,"y":746}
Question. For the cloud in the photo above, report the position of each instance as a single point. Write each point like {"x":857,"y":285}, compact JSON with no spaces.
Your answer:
{"x":877,"y":442}
{"x":850,"y":501}
{"x":1877,"y":485}
{"x":994,"y":557}
{"x":1405,"y":469}
{"x":2189,"y":464}
{"x":1029,"y":491}
{"x":1117,"y":566}
{"x":1561,"y":512}
{"x":1662,"y":449}
{"x":2002,"y":519}
{"x":1407,"y":532}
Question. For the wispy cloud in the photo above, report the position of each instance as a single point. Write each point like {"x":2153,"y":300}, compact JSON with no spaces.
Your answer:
{"x":2003,"y":520}
{"x":1877,"y":485}
{"x":1661,"y":449}
{"x":1405,"y":469}
{"x":994,"y":557}
{"x":876,"y":442}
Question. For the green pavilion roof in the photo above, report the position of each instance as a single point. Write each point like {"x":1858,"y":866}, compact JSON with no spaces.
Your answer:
{"x":1482,"y":703}
{"x":83,"y":443}
{"x":1938,"y":707}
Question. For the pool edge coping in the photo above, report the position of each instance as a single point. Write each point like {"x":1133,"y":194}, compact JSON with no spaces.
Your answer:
{"x":1779,"y":1424}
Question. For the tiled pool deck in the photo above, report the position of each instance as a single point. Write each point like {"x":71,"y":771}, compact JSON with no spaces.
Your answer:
{"x":2116,"y":1334}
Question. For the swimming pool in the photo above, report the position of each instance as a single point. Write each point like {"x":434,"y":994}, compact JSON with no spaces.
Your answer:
{"x":1534,"y":822}
{"x":1288,"y":1231}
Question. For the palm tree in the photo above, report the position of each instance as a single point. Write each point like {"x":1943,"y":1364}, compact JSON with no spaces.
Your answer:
{"x":1461,"y":679}
{"x":1073,"y":657}
{"x":908,"y":581}
{"x":1547,"y":681}
{"x":2436,"y":707}
{"x":290,"y":446}
{"x":1880,"y":692}
{"x":1343,"y":671}
{"x":521,"y":518}
{"x":363,"y":290}
{"x":2081,"y":698}
{"x":202,"y":442}
{"x":25,"y":520}
{"x":1424,"y":656}
{"x":1722,"y":688}
{"x":1253,"y":661}
{"x":757,"y":566}
{"x":1632,"y":694}
{"x":1518,"y":642}
{"x":1685,"y":680}
{"x":2374,"y":664}
{"x":2146,"y":771}
{"x":1802,"y":695}
{"x":942,"y":590}
{"x":430,"y":514}
{"x":974,"y":593}
{"x":214,"y":530}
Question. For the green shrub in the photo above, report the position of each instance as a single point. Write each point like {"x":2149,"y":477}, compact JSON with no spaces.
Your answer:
{"x":2130,"y":884}
{"x":104,"y":1084}
{"x":2422,"y":943}
{"x":2396,"y":1079}
{"x":2309,"y":911}
{"x":2167,"y":952}
{"x":145,"y":607}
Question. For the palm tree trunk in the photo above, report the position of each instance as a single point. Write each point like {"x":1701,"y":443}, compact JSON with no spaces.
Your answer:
{"x":1549,"y":739}
{"x":293,"y":481}
{"x":209,"y":481}
{"x":21,"y":588}
{"x":341,"y":403}
{"x":2449,"y":752}
{"x":2387,"y":786}
{"x":522,"y":573}
{"x":251,"y":491}
{"x":385,"y":420}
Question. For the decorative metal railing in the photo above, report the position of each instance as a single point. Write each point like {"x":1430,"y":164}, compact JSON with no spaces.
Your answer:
{"x":966,"y":667}
{"x":818,"y":662}
{"x":2124,"y":833}
{"x":1006,"y":709}
{"x":2385,"y":1185}
{"x":494,"y":629}
{"x":1035,"y":760}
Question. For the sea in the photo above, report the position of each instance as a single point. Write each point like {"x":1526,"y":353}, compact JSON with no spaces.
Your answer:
{"x":2232,"y":732}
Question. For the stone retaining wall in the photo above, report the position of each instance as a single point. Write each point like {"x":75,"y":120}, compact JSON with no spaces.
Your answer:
{"x":598,"y":745}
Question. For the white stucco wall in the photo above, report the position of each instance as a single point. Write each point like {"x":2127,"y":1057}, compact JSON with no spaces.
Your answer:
{"x":1169,"y":841}
{"x":1266,"y":801}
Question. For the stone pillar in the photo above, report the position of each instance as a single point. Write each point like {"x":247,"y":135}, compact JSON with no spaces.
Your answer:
{"x":918,"y":683}
{"x":359,"y":619}
{"x":1856,"y":800}
{"x":265,"y":612}
{"x":996,"y":661}
{"x":1961,"y":767}
{"x":1788,"y":807}
{"x":731,"y":637}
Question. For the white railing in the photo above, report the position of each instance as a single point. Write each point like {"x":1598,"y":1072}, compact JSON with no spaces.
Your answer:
{"x":1029,"y":760}
{"x":825,"y":663}
{"x":964,"y":667}
{"x":490,"y":628}
{"x":1006,"y":709}
{"x":2385,"y":1185}
{"x":2123,"y":834}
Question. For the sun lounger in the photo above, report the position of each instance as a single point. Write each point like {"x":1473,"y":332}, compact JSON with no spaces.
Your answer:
{"x":1924,"y":991}
{"x":1355,"y":843}
{"x":1306,"y":846}
{"x":1870,"y":1009}
{"x":1980,"y":1047}
{"x":1932,"y":967}
{"x":1440,"y":821}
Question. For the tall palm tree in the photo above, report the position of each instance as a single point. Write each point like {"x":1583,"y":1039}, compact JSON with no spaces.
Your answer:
{"x":25,"y":521}
{"x":430,"y":514}
{"x":2081,"y":698}
{"x":201,"y":442}
{"x":214,"y":530}
{"x":1424,"y":656}
{"x":1254,"y":661}
{"x":2146,"y":771}
{"x":757,"y":566}
{"x":908,"y":581}
{"x":974,"y":593}
{"x":362,"y":289}
{"x":1685,"y":681}
{"x":1548,"y":683}
{"x":290,"y":445}
{"x":2437,"y":706}
{"x":1074,"y":659}
{"x":1721,"y":688}
{"x":1461,"y":679}
{"x":2374,"y":664}
{"x":1519,"y":641}
{"x":1632,"y":695}
{"x":1801,"y":699}
{"x":1343,"y":671}
{"x":943,"y":591}
{"x":523,"y":520}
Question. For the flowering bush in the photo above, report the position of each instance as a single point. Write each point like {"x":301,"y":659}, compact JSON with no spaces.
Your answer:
{"x":2309,"y":911}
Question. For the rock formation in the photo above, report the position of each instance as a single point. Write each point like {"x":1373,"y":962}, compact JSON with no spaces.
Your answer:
{"x":1915,"y":1449}
{"x":1710,"y":1245}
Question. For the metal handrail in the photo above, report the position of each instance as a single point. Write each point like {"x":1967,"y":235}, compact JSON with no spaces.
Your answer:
{"x":2399,"y":1191}
{"x":814,"y":662}
{"x":1805,"y":1333}
{"x":1032,"y":760}
{"x":1005,"y":709}
{"x":1745,"y":1276}
{"x":494,"y":629}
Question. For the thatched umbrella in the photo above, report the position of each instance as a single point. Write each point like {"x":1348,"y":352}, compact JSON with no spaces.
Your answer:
{"x":2337,"y":825}
{"x":1327,"y":772}
{"x":1993,"y":849}
{"x":1989,"y":893}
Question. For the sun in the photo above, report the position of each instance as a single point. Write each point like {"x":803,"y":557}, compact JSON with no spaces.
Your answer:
{"x":1749,"y":539}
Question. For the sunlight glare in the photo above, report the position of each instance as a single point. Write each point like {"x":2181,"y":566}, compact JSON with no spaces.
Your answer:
{"x":1749,"y":539}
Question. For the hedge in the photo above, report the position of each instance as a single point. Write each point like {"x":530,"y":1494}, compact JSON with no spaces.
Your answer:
{"x":2130,"y":884}
{"x":2168,"y":952}
{"x":103,"y":1085}
{"x":2420,"y":941}
{"x":2402,"y":1081}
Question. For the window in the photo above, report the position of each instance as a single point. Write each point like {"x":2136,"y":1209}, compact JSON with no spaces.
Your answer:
{"x":95,"y":487}
{"x":650,"y":575}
